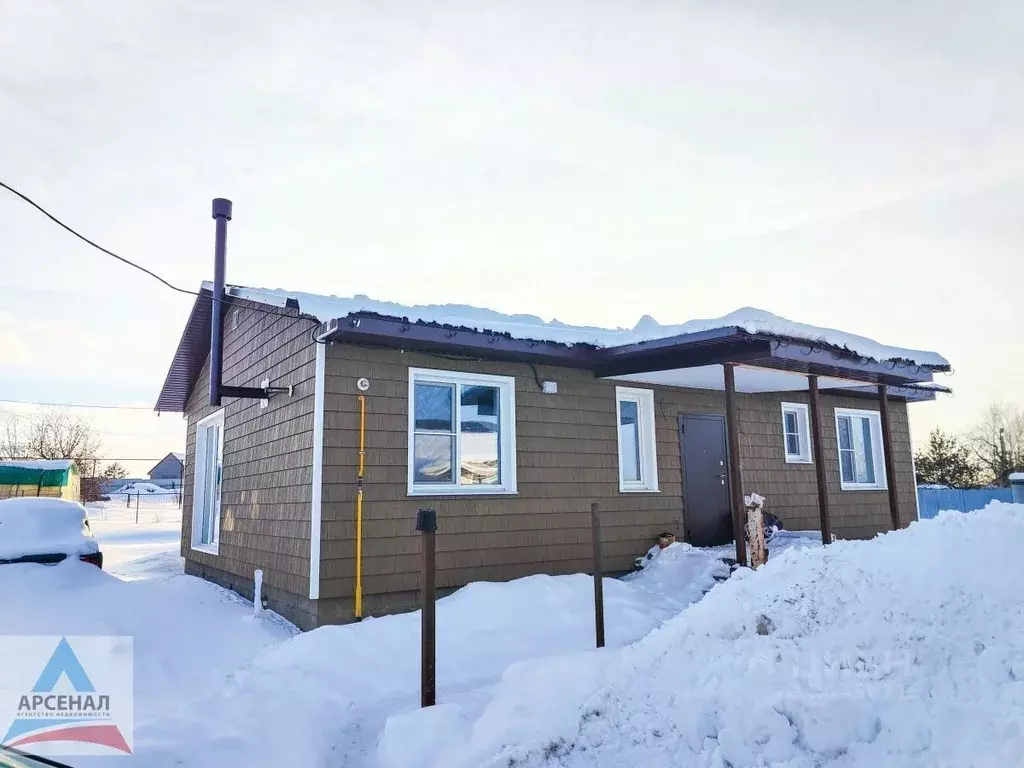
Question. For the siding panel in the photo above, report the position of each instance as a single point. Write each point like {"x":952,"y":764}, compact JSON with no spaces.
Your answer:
{"x":566,"y":458}
{"x":267,"y":471}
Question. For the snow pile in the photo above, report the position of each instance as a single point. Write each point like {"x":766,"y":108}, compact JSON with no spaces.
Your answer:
{"x":906,"y":650}
{"x":679,"y":574}
{"x":141,"y":487}
{"x":189,"y":636}
{"x":327,"y":695}
{"x":533,"y":328}
{"x":43,"y":526}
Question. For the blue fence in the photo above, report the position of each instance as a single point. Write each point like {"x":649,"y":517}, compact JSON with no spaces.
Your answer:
{"x":933,"y":500}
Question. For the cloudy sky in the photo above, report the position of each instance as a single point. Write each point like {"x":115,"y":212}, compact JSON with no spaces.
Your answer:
{"x":857,"y":165}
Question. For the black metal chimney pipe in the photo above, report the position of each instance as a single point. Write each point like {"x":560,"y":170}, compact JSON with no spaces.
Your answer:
{"x":221,"y":215}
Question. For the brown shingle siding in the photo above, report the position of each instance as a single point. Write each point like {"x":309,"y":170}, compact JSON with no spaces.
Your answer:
{"x":267,"y":463}
{"x":566,"y":458}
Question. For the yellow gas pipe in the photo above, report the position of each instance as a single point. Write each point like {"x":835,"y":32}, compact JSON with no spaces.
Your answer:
{"x":359,"y":509}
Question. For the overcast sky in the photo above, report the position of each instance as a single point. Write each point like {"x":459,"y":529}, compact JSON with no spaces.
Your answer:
{"x":858,"y":165}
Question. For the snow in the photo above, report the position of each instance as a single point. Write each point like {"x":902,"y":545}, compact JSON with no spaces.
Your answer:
{"x":905,"y":650}
{"x":142,"y":487}
{"x":147,"y":549}
{"x":190,"y":636}
{"x":51,"y":464}
{"x":530,"y":327}
{"x":329,"y":693}
{"x":43,"y":526}
{"x":1016,"y":477}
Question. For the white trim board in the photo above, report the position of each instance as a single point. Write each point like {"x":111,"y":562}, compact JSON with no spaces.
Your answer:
{"x":316,"y":496}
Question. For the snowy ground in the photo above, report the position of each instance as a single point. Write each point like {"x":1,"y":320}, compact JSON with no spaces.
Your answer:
{"x":146,"y":550}
{"x":322,"y":698}
{"x":891,"y":652}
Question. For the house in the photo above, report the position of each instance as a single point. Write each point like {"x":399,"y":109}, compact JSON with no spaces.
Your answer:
{"x":170,"y":468}
{"x":510,"y":428}
{"x":40,"y":477}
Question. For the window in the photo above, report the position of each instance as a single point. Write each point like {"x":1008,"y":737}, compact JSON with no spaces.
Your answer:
{"x":638,"y":460}
{"x":209,"y":462}
{"x":796,"y":433}
{"x":861,"y":463}
{"x":461,"y":433}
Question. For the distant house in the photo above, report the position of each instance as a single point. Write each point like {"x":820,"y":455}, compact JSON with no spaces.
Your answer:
{"x":171,"y":467}
{"x":40,"y":477}
{"x":510,"y":427}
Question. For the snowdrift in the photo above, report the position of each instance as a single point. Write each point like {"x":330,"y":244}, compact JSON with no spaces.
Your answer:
{"x":907,"y":650}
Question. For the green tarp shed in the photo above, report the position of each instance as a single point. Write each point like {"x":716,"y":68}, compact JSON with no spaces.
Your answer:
{"x":39,"y":477}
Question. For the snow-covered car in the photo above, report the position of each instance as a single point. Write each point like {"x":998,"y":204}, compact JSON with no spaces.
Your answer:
{"x":42,"y":530}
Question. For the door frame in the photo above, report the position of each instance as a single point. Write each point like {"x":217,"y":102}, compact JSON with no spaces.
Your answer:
{"x":720,"y":417}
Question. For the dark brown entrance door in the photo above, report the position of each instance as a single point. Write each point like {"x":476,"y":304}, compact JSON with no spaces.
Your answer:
{"x":705,"y":480}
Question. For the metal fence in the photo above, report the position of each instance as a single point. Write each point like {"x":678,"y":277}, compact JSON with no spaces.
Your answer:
{"x":931,"y":501}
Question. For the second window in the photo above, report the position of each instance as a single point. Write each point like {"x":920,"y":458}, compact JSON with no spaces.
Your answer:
{"x":638,"y":460}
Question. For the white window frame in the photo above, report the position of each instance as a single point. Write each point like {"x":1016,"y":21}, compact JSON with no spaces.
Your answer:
{"x":506,"y":386}
{"x":803,"y":426}
{"x":644,"y":399}
{"x":877,"y":451}
{"x":199,"y":485}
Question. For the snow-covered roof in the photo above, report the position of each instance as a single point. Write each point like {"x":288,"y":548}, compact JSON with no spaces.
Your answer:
{"x":533,"y":328}
{"x":1017,"y":477}
{"x":50,"y":464}
{"x":179,"y":456}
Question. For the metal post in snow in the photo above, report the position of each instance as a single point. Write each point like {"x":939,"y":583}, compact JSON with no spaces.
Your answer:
{"x":137,"y":508}
{"x":426,"y":523}
{"x":595,"y":527}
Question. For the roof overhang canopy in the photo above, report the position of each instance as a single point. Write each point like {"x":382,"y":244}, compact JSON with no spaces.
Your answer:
{"x":638,"y":361}
{"x":680,"y":360}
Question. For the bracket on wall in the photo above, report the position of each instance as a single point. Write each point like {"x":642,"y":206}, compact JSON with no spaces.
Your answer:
{"x":268,"y":391}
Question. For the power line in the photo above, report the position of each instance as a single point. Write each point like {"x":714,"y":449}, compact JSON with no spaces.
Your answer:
{"x":85,"y":239}
{"x":81,"y":405}
{"x":86,"y":458}
{"x":131,"y":263}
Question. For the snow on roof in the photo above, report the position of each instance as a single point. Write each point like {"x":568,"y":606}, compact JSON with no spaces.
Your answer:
{"x":1017,"y":477}
{"x":533,"y":328}
{"x":37,"y":463}
{"x":179,"y":456}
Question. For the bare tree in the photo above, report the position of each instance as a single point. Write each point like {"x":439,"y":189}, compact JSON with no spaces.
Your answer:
{"x":998,"y":441}
{"x":52,"y":434}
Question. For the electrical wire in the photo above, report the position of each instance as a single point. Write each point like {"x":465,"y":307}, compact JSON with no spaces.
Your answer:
{"x":85,"y":239}
{"x":131,"y":263}
{"x":80,"y":405}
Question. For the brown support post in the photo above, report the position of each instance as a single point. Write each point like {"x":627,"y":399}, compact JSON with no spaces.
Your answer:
{"x":595,"y":525}
{"x":426,"y":523}
{"x":890,"y":464}
{"x":819,"y":459}
{"x":735,"y":486}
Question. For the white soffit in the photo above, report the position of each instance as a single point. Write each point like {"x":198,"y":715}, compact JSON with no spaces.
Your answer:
{"x":749,"y":380}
